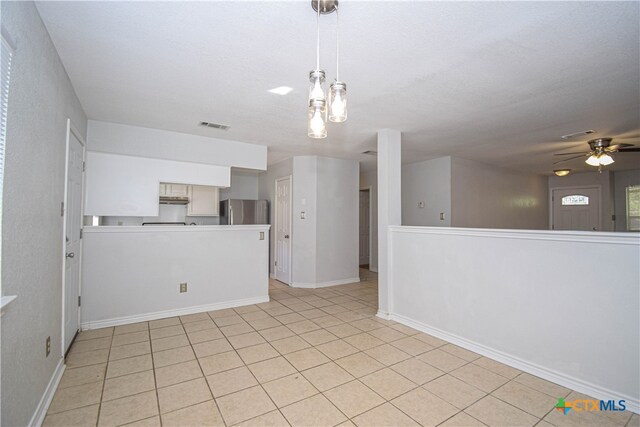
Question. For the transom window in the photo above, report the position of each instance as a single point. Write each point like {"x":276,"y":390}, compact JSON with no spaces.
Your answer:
{"x":575,"y":199}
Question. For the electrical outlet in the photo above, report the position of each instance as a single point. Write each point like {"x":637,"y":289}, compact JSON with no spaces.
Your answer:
{"x":421,"y":205}
{"x":48,"y":346}
{"x":303,"y":215}
{"x":183,"y":287}
{"x":441,"y":216}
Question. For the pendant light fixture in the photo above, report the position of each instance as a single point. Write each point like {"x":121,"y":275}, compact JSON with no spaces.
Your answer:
{"x":338,"y":89}
{"x":318,"y":106}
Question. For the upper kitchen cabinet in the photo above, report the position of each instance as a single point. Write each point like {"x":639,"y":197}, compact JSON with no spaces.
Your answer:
{"x":173,"y":190}
{"x":204,"y":200}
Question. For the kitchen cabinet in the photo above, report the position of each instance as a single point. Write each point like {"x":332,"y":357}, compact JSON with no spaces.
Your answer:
{"x":173,"y":190}
{"x":203,"y":201}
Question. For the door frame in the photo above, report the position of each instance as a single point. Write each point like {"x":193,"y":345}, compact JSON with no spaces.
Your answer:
{"x":275,"y":240}
{"x":71,"y":130}
{"x":370,"y":190}
{"x":577,"y":187}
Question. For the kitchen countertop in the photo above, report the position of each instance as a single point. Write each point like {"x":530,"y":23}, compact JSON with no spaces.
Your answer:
{"x":172,"y":228}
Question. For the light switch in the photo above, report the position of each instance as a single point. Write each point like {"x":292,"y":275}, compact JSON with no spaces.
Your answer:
{"x":441,"y":216}
{"x":262,"y":235}
{"x":421,"y":204}
{"x":303,"y":215}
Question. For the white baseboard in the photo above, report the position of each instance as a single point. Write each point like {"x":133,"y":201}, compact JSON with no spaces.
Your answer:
{"x":126,"y":320}
{"x":43,"y":406}
{"x":383,"y":315}
{"x":325,"y":284}
{"x":374,"y":269}
{"x":564,"y":380}
{"x":272,"y":275}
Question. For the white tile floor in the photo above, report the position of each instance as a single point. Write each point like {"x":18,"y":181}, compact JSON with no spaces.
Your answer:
{"x":307,"y":358}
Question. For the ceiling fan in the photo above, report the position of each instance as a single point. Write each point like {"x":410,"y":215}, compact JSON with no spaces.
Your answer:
{"x":600,"y":152}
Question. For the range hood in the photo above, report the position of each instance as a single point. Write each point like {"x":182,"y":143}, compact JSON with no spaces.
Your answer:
{"x":174,"y":200}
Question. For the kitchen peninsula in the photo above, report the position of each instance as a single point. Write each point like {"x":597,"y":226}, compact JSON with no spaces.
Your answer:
{"x":132,"y":274}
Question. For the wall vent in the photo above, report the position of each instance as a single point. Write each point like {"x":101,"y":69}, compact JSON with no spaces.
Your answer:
{"x":214,"y":125}
{"x":370,"y":152}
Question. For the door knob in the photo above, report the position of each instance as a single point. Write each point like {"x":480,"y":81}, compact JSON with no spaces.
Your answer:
{"x":70,"y":255}
{"x":286,"y":236}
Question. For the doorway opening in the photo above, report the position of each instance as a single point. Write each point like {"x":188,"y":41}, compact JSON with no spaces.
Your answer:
{"x":365,"y":229}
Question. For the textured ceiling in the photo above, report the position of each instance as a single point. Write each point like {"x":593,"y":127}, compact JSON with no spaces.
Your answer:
{"x":497,"y":82}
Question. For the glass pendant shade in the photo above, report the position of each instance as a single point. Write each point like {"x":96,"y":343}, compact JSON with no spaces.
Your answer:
{"x":316,"y":91}
{"x":592,"y":160}
{"x":317,"y":119}
{"x":605,"y":159}
{"x":338,"y":102}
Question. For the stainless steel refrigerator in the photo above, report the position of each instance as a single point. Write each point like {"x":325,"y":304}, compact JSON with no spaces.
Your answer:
{"x":236,"y":211}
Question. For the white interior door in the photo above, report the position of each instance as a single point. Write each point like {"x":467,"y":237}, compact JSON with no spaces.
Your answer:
{"x":73,"y":224}
{"x":364,"y":227}
{"x":283,"y":230}
{"x":576,"y":209}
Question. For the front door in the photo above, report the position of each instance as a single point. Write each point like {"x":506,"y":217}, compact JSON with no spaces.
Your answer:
{"x":576,"y":209}
{"x":364,"y":228}
{"x":283,"y":230}
{"x":73,"y":208}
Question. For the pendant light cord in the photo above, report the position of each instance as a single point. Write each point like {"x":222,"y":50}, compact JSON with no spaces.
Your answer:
{"x":318,"y":38}
{"x":337,"y":44}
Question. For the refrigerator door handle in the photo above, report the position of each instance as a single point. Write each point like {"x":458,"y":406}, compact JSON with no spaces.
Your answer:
{"x":230,"y":214}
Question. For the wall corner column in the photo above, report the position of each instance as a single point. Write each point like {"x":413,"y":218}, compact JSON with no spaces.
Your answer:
{"x":389,"y":210}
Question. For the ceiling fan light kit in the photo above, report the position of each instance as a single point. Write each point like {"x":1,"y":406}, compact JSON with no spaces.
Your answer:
{"x":318,"y":106}
{"x":600,"y":152}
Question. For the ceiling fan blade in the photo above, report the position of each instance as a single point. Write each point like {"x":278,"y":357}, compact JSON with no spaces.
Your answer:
{"x":567,"y":154}
{"x":617,"y":147}
{"x":570,"y":158}
{"x":629,"y":150}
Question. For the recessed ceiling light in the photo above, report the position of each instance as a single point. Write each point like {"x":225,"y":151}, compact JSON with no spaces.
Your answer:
{"x":282,"y":90}
{"x":573,"y":135}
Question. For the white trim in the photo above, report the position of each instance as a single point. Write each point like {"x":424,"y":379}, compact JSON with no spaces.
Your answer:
{"x":375,"y":270}
{"x":71,"y":130}
{"x":383,"y":315}
{"x":272,"y":276}
{"x":325,"y":284}
{"x":173,"y":228}
{"x":275,"y":233}
{"x":515,"y":362}
{"x":43,"y":406}
{"x":126,"y":320}
{"x":629,"y":238}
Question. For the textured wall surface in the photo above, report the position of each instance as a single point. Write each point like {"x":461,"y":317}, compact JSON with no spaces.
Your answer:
{"x":41,"y":99}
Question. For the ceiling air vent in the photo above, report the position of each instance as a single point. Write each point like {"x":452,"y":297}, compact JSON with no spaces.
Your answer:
{"x":214,"y":125}
{"x":370,"y":152}
{"x":573,"y":135}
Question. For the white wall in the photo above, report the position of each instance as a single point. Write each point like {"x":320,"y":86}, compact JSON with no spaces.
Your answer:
{"x":532,"y":299}
{"x":244,"y":185}
{"x":130,"y":274}
{"x":162,"y":144}
{"x":603,"y":180}
{"x":41,"y":99}
{"x":267,"y":191}
{"x":428,"y":182}
{"x":485,"y":196}
{"x":337,"y":232}
{"x":324,"y":245}
{"x":122,"y":185}
{"x":622,"y":180}
{"x":370,"y":180}
{"x":304,"y":242}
